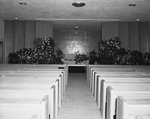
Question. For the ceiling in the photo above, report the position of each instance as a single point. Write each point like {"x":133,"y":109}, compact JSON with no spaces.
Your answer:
{"x":61,"y":12}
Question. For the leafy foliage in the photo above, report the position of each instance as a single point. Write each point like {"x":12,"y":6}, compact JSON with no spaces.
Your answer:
{"x":42,"y":53}
{"x":92,"y":57}
{"x":107,"y":50}
{"x":80,"y":58}
{"x":111,"y":53}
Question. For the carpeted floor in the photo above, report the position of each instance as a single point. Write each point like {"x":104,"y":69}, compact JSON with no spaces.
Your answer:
{"x":79,"y":102}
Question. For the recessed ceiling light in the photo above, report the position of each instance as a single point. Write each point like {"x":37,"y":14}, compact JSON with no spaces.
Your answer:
{"x":76,"y":27}
{"x":22,"y":3}
{"x":137,"y":19}
{"x":78,"y":4}
{"x":132,"y":5}
{"x":16,"y":18}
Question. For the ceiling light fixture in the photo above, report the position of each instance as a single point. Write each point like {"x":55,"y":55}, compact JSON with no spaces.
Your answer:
{"x":22,"y":3}
{"x":137,"y":19}
{"x":132,"y":5}
{"x":76,"y":27}
{"x":16,"y":18}
{"x":78,"y":4}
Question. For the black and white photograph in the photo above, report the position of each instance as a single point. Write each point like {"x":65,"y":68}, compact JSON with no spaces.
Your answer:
{"x":74,"y":59}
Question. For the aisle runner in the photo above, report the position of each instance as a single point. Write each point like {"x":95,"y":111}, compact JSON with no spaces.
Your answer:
{"x":79,"y":102}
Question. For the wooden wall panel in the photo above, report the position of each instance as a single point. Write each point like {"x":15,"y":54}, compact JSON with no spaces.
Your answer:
{"x":1,"y":30}
{"x":110,"y":30}
{"x":149,"y":37}
{"x":43,"y":29}
{"x":134,"y":35}
{"x":19,"y":35}
{"x":1,"y":39}
{"x":144,"y":35}
{"x":9,"y":45}
{"x":124,"y":34}
{"x":29,"y":33}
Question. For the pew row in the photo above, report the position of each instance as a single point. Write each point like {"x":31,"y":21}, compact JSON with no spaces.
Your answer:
{"x":117,"y":72}
{"x":122,"y":77}
{"x":39,"y":74}
{"x":53,"y":71}
{"x":46,"y":87}
{"x":133,"y":91}
{"x":24,"y":109}
{"x":129,"y":108}
{"x":138,"y":117}
{"x":36,"y":67}
{"x":89,"y":68}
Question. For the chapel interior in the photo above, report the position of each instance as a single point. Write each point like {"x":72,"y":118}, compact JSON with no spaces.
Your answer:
{"x":66,"y":82}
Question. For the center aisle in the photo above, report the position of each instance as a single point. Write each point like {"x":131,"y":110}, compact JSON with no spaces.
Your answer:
{"x":78,"y":102}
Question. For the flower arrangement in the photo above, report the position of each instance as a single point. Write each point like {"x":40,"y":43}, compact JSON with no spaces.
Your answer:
{"x":107,"y":50}
{"x":92,"y":57}
{"x":147,"y":58}
{"x":111,"y":53}
{"x":80,"y":58}
{"x":42,"y":53}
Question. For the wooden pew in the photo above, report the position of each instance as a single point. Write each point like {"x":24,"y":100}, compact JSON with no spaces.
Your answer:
{"x":115,"y":68}
{"x":128,"y":90}
{"x":36,"y":67}
{"x":44,"y":86}
{"x":114,"y":72}
{"x":98,"y":82}
{"x":24,"y":109}
{"x":130,"y":85}
{"x":39,"y":74}
{"x":112,"y":67}
{"x":138,"y":117}
{"x":104,"y":74}
{"x":26,"y":71}
{"x":53,"y":71}
{"x":128,"y":109}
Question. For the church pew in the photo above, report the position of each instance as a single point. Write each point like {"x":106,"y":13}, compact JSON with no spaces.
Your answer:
{"x":114,"y":71}
{"x":139,"y":117}
{"x":25,"y":95}
{"x":97,"y":72}
{"x":46,"y":88}
{"x":129,"y":108}
{"x":36,"y":66}
{"x":118,"y":78}
{"x":130,"y":90}
{"x":97,"y":84}
{"x":32,"y":70}
{"x":103,"y":82}
{"x":113,"y":94}
{"x":24,"y":109}
{"x":100,"y":73}
{"x":132,"y":86}
{"x":65,"y":72}
{"x":35,"y":80}
{"x":112,"y":67}
{"x":60,"y":71}
{"x":35,"y":74}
